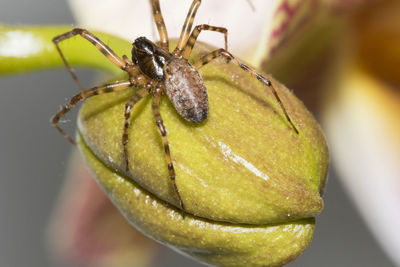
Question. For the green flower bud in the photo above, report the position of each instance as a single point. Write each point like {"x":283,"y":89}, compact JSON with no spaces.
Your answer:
{"x":251,"y":186}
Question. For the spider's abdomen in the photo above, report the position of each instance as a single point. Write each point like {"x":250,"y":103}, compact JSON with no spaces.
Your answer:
{"x":186,"y":90}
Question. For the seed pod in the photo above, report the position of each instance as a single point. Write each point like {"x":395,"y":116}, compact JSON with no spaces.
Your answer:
{"x":251,"y":186}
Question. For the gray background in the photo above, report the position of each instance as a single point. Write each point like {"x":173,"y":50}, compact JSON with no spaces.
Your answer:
{"x":33,"y":157}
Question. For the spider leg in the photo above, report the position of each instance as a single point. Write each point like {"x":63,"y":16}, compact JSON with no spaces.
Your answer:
{"x":187,"y":27}
{"x":159,"y":20}
{"x":161,"y":129}
{"x":187,"y":50}
{"x":128,"y":107}
{"x":107,"y":51}
{"x":98,"y":90}
{"x":222,"y":52}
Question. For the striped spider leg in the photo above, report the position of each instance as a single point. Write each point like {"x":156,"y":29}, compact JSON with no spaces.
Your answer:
{"x":155,"y":106}
{"x":103,"y":89}
{"x":187,"y":40}
{"x":100,"y":45}
{"x":230,"y":58}
{"x":159,"y":20}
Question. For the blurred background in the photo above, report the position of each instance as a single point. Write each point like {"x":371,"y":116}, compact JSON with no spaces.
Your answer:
{"x":34,"y":156}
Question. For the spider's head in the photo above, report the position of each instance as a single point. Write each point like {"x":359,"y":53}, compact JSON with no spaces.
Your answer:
{"x":142,"y":48}
{"x":150,"y":58}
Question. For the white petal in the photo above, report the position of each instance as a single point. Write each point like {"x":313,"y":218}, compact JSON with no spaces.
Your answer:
{"x":363,"y":129}
{"x":248,"y":30}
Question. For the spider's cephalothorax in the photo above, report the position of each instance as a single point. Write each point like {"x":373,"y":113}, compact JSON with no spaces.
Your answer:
{"x":182,"y":82}
{"x":154,"y":71}
{"x":150,"y":58}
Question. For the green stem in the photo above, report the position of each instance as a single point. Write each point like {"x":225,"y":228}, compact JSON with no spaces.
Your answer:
{"x":30,"y":48}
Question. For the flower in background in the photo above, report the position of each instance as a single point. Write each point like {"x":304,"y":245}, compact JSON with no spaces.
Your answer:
{"x":362,"y":120}
{"x":87,"y":230}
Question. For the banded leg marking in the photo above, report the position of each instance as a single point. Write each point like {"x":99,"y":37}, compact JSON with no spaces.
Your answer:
{"x":127,"y":114}
{"x":222,"y":52}
{"x":100,"y":45}
{"x":187,"y":50}
{"x":98,"y":90}
{"x":187,"y":27}
{"x":161,"y":129}
{"x":159,"y":20}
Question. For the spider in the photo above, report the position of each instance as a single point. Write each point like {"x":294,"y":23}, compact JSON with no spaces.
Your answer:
{"x":154,"y":70}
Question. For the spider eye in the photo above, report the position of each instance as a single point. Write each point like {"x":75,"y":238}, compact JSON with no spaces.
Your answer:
{"x":144,"y":46}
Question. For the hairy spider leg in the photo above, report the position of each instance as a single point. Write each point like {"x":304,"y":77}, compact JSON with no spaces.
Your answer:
{"x":159,"y":20}
{"x":187,"y":50}
{"x":161,"y":129}
{"x":187,"y":27}
{"x":141,"y":93}
{"x":222,"y":52}
{"x":100,"y":45}
{"x":98,"y":90}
